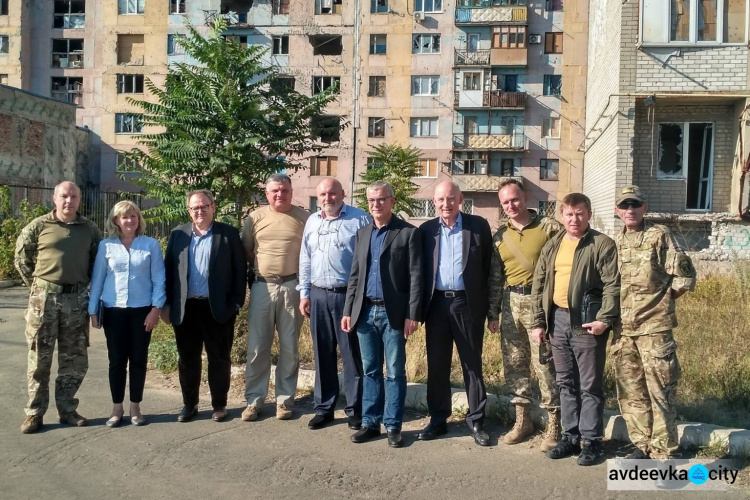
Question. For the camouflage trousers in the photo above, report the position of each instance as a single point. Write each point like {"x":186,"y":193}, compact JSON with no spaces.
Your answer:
{"x":62,"y":318}
{"x":646,"y":373}
{"x":520,"y":353}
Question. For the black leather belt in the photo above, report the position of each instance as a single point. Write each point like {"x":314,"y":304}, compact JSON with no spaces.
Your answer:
{"x":55,"y":288}
{"x":375,"y":302}
{"x":336,"y":289}
{"x":520,"y":289}
{"x":450,"y":294}
{"x":563,"y":309}
{"x":276,"y":279}
{"x":197,"y":298}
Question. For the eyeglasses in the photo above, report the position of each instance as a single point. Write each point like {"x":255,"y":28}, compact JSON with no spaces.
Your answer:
{"x":378,"y":201}
{"x":630,"y":204}
{"x":201,"y":208}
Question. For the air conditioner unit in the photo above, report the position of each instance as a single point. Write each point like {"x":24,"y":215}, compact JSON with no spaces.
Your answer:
{"x":419,"y":16}
{"x":535,"y":38}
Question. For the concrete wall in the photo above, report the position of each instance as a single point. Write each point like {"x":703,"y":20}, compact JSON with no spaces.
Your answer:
{"x":40,"y":144}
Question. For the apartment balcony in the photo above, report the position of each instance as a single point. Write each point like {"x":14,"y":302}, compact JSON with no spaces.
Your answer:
{"x":482,"y":13}
{"x":232,"y":18}
{"x":508,"y":57}
{"x":479,"y":183}
{"x":499,"y":142}
{"x":496,"y":99}
{"x":472,"y":58}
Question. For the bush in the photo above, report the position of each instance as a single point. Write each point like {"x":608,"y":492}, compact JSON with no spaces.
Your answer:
{"x":10,"y":228}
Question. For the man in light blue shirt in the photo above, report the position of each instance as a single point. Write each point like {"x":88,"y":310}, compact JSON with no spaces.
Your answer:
{"x":324,"y":265}
{"x":199,"y":254}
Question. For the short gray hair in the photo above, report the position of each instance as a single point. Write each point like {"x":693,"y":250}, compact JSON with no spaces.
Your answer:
{"x":381,"y":185}
{"x":205,"y":192}
{"x":282,"y":178}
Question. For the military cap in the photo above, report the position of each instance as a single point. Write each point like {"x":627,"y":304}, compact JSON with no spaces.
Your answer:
{"x":631,"y":193}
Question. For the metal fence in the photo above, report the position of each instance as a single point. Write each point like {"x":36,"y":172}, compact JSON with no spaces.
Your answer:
{"x":95,"y":205}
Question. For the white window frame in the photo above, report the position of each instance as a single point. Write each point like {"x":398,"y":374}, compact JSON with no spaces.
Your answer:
{"x":133,"y":77}
{"x":475,"y":80}
{"x":546,"y":169}
{"x":131,"y":7}
{"x":178,"y":10}
{"x":4,"y":45}
{"x":417,"y":126}
{"x":419,"y":82}
{"x":319,"y":83}
{"x":375,"y":38}
{"x":431,"y":163}
{"x":435,"y":6}
{"x":693,"y":26}
{"x":547,"y":124}
{"x":433,"y":40}
{"x":372,"y":126}
{"x":176,"y":49}
{"x":277,"y":49}
{"x":123,"y":121}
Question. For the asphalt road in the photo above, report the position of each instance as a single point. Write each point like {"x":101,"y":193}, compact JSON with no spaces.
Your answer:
{"x":263,"y":459}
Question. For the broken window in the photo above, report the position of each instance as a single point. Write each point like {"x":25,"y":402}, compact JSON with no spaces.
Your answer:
{"x":324,"y":165}
{"x":4,"y":45}
{"x":424,"y":127}
{"x":509,"y":37}
{"x":67,"y":52}
{"x":551,"y":128}
{"x":131,"y":6}
{"x":377,"y":44}
{"x":328,"y":7}
{"x":553,"y":43}
{"x":177,"y":6}
{"x":130,"y":84}
{"x":127,"y":123}
{"x":507,"y":167}
{"x":548,"y":169}
{"x":67,"y":89}
{"x":174,"y":48}
{"x":378,"y":6}
{"x":469,"y":163}
{"x":326,"y":127}
{"x":377,"y":86}
{"x":376,"y":126}
{"x":241,"y":40}
{"x":326,"y":45}
{"x":552,"y":85}
{"x":280,"y":45}
{"x":473,"y":81}
{"x":282,"y":83}
{"x":428,"y":5}
{"x":125,"y":164}
{"x":322,"y":83}
{"x":425,"y":44}
{"x":69,"y":14}
{"x":3,"y":7}
{"x":425,"y":85}
{"x":280,"y":7}
{"x":686,"y":152}
{"x":4,"y":79}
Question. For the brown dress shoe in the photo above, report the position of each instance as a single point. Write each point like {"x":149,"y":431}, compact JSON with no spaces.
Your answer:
{"x":219,"y":414}
{"x":187,"y":414}
{"x":74,"y":419}
{"x":32,"y":424}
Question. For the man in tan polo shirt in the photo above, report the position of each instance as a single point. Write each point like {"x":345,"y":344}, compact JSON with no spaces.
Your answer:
{"x":272,"y":237}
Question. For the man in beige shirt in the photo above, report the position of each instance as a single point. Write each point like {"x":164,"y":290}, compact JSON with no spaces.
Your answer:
{"x":272,"y":237}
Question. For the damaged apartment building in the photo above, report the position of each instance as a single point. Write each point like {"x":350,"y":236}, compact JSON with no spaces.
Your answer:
{"x":486,"y":89}
{"x":667,"y":109}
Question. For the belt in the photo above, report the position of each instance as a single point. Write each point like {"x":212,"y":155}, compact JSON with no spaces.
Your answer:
{"x":449,"y":294}
{"x":520,"y":289}
{"x":563,"y":309}
{"x":276,"y":279}
{"x":197,"y":298}
{"x":54,"y":287}
{"x":375,"y":302}
{"x":336,"y":289}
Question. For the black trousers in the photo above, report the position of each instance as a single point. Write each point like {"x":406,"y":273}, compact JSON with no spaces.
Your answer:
{"x":326,"y":310}
{"x":579,"y":362}
{"x":199,"y":328}
{"x":127,"y":349}
{"x":449,"y":320}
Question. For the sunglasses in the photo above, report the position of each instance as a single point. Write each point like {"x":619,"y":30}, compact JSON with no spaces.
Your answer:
{"x":630,"y":204}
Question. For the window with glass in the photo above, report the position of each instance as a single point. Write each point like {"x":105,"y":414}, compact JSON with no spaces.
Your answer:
{"x":553,"y":43}
{"x":67,"y":52}
{"x":551,"y":128}
{"x":173,"y":47}
{"x":130,"y":84}
{"x":425,"y":85}
{"x":693,"y":21}
{"x":424,"y":209}
{"x":69,"y":14}
{"x":473,"y":81}
{"x":322,"y":83}
{"x":552,"y":85}
{"x":424,"y":127}
{"x":5,"y":45}
{"x":177,"y":6}
{"x":377,"y":44}
{"x":376,"y":126}
{"x":548,"y":169}
{"x":509,"y":37}
{"x":428,"y":5}
{"x":67,"y":89}
{"x":547,"y":208}
{"x":131,"y":6}
{"x":280,"y":45}
{"x":376,"y":86}
{"x":378,"y":6}
{"x":128,"y":123}
{"x":425,"y":44}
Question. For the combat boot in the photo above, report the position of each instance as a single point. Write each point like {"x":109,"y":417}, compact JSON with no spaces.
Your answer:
{"x":523,"y":426}
{"x":552,"y":434}
{"x":31,"y":424}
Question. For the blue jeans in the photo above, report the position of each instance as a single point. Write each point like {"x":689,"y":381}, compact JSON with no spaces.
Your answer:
{"x":382,"y":402}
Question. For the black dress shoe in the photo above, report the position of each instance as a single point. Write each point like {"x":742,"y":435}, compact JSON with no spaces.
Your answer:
{"x":394,"y":438}
{"x":319,"y":421}
{"x":432,"y":431}
{"x":480,"y":435}
{"x":365,"y":434}
{"x":187,"y":414}
{"x":355,"y":423}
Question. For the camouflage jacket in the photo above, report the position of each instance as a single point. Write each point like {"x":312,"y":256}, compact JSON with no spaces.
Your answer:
{"x":497,"y":281}
{"x":652,"y":264}
{"x":26,"y":245}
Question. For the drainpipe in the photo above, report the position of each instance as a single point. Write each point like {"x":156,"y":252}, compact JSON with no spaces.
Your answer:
{"x":355,"y":79}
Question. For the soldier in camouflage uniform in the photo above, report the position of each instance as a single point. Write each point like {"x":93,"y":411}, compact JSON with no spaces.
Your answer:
{"x":55,"y":255}
{"x":517,"y":245}
{"x":655,"y":271}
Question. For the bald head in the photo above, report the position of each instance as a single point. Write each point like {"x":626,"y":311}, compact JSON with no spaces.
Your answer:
{"x":330,"y":196}
{"x":67,"y":198}
{"x":448,"y":200}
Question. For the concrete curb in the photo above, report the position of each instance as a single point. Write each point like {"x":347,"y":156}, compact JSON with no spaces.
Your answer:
{"x":691,"y":434}
{"x":9,"y":283}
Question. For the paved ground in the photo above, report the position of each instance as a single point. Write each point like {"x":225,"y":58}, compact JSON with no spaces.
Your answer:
{"x":263,"y":459}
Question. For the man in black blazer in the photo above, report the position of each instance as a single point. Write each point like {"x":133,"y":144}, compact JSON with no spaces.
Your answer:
{"x":457,"y":256}
{"x":206,"y":272}
{"x":384,"y":306}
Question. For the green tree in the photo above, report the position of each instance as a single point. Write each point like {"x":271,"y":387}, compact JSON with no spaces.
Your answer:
{"x":397,"y":166}
{"x":10,"y":229}
{"x":225,"y":124}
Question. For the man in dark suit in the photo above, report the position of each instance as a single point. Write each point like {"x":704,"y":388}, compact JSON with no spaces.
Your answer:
{"x":206,"y":271}
{"x":384,"y":305}
{"x":457,"y":256}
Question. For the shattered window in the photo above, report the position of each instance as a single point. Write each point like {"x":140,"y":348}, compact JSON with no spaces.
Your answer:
{"x":425,"y":44}
{"x":670,"y":150}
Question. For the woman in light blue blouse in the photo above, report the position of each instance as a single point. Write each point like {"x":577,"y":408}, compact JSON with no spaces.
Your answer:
{"x":128,"y":282}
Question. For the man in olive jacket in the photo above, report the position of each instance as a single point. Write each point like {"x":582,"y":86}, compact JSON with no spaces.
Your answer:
{"x":576,"y":267}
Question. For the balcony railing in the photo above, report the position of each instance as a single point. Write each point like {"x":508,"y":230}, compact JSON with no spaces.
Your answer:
{"x":478,"y":182}
{"x":233,"y":19}
{"x":490,"y":15}
{"x":472,"y":58}
{"x":489,"y":141}
{"x":500,"y":99}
